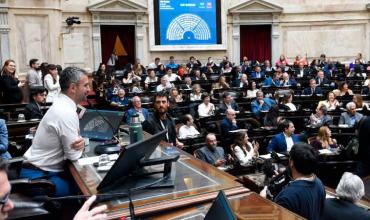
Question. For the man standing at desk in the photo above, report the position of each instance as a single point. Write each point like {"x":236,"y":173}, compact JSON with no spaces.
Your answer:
{"x":57,"y":138}
{"x":160,"y":121}
{"x":305,"y":195}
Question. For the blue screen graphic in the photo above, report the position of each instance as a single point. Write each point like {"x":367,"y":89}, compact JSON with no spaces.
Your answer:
{"x":187,"y":22}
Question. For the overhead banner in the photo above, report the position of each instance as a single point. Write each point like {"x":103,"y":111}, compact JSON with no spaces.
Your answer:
{"x":187,"y":22}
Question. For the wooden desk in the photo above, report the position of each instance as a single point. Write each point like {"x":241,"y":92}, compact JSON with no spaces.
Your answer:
{"x":245,"y":206}
{"x":195,"y":182}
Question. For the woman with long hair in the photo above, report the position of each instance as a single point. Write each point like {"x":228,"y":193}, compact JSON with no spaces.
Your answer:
{"x":343,"y":89}
{"x":331,"y":103}
{"x":243,"y":150}
{"x":175,"y":95}
{"x":196,"y":94}
{"x":324,"y":139}
{"x":357,"y":99}
{"x":288,"y":101}
{"x":51,"y":82}
{"x":10,"y":86}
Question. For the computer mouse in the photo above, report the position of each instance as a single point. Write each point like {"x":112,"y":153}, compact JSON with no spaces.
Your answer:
{"x":107,"y":149}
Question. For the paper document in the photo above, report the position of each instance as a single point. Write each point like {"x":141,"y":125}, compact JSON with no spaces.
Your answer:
{"x":90,"y":160}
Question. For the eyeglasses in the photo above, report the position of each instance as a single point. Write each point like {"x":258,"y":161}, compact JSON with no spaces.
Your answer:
{"x":4,"y":200}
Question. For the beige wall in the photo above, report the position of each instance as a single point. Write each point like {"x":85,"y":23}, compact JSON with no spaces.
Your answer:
{"x":339,"y":28}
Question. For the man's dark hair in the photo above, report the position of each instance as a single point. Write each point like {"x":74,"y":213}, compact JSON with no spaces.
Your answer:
{"x":70,"y":75}
{"x":284,"y":124}
{"x":35,"y":90}
{"x":157,"y":59}
{"x":3,"y":165}
{"x":304,"y":158}
{"x":184,"y":119}
{"x":172,"y":57}
{"x":161,"y":94}
{"x":225,"y":94}
{"x":33,"y":61}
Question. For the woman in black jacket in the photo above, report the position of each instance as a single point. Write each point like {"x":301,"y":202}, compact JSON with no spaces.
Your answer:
{"x":9,"y":84}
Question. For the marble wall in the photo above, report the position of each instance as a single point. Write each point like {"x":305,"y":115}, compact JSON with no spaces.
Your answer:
{"x":37,"y":28}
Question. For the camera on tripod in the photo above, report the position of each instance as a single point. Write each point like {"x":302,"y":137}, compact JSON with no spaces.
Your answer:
{"x":73,"y":20}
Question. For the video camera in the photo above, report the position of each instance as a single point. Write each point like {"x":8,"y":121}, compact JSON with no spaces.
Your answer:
{"x":73,"y":20}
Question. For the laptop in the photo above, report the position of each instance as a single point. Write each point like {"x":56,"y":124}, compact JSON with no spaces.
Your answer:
{"x":100,"y":125}
{"x":220,"y":209}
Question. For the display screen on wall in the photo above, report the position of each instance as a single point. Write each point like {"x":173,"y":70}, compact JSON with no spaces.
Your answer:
{"x":187,"y":22}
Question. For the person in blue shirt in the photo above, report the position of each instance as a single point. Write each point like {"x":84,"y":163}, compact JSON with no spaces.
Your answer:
{"x":287,"y":81}
{"x":305,"y":195}
{"x":272,"y":81}
{"x":228,"y":123}
{"x":172,"y":65}
{"x":137,"y":109}
{"x":283,"y":141}
{"x":261,"y":103}
{"x":257,"y":74}
{"x":4,"y":140}
{"x":120,"y":99}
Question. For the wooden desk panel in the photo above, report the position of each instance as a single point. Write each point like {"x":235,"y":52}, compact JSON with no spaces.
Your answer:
{"x":192,"y":191}
{"x":245,"y":206}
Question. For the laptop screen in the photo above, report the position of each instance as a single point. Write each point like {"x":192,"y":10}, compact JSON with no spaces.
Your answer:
{"x":100,"y":124}
{"x":220,"y":209}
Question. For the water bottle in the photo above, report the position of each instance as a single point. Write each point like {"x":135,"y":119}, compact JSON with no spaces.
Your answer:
{"x":136,"y":130}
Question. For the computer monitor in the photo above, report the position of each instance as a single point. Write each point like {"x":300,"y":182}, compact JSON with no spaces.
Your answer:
{"x":100,"y":124}
{"x":129,"y":161}
{"x":220,"y":209}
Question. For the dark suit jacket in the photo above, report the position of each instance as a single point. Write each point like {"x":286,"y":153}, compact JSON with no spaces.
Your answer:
{"x":11,"y":92}
{"x":236,"y":83}
{"x":308,"y":91}
{"x":340,"y":209}
{"x":365,"y":91}
{"x":226,"y":127}
{"x":153,"y":125}
{"x":306,"y":72}
{"x":32,"y":111}
{"x":324,"y":81}
{"x":223,"y":107}
{"x":291,"y":82}
{"x":278,"y":143}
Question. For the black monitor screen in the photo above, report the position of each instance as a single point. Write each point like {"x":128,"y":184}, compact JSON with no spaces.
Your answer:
{"x":220,"y":209}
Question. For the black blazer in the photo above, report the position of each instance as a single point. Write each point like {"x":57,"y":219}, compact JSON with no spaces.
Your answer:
{"x":11,"y":92}
{"x":32,"y":111}
{"x":153,"y":125}
{"x":308,"y":91}
{"x":341,"y":209}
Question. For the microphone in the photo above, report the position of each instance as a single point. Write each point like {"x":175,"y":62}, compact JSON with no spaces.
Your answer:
{"x":104,"y":118}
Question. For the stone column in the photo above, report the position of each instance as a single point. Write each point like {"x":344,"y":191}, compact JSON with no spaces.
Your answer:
{"x":96,"y":45}
{"x":275,"y":38}
{"x":140,"y":31}
{"x":236,"y":39}
{"x":4,"y":32}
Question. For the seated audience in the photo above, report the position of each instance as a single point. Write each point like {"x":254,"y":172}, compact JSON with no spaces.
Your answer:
{"x":282,"y":61}
{"x":343,"y":89}
{"x":59,"y":128}
{"x":228,"y":124}
{"x":161,"y":70}
{"x":366,"y":90}
{"x":321,"y":117}
{"x":206,"y":108}
{"x":226,"y":69}
{"x":4,"y":140}
{"x":211,"y":153}
{"x":33,"y":108}
{"x":284,"y":141}
{"x":151,"y":78}
{"x":252,"y":90}
{"x":175,"y":95}
{"x":351,"y":117}
{"x":331,"y":103}
{"x":302,"y":72}
{"x":363,"y":167}
{"x":349,"y":192}
{"x":272,"y":81}
{"x":172,"y":64}
{"x":120,"y":100}
{"x":165,"y":85}
{"x":51,"y":83}
{"x":324,"y":139}
{"x":10,"y":86}
{"x":242,"y":82}
{"x":288,"y":102}
{"x":305,"y":195}
{"x":193,"y":64}
{"x":197,"y":75}
{"x":187,"y":130}
{"x":261,"y":103}
{"x":160,"y":120}
{"x":138,"y":68}
{"x":300,"y":60}
{"x":196,"y":94}
{"x":170,"y":76}
{"x":155,"y":64}
{"x":243,"y":150}
{"x":187,"y":85}
{"x":313,"y":89}
{"x":287,"y":81}
{"x":367,"y":81}
{"x":321,"y":79}
{"x":136,"y":109}
{"x":221,"y":84}
{"x":257,"y":74}
{"x":131,"y":75}
{"x":357,"y":99}
{"x":228,"y":103}
{"x":272,"y":118}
